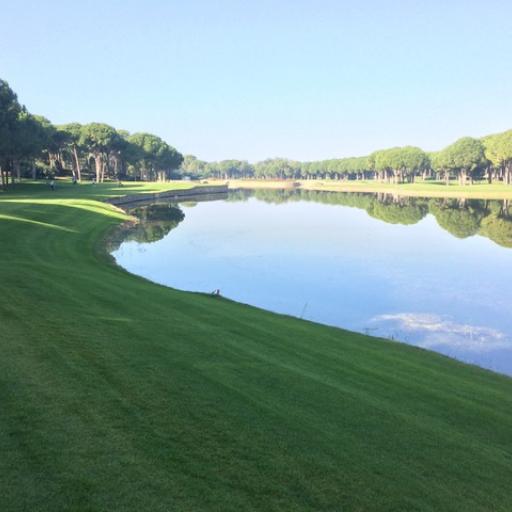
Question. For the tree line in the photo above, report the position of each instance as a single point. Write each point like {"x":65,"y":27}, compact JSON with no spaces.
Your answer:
{"x":31,"y":146}
{"x":466,"y":160}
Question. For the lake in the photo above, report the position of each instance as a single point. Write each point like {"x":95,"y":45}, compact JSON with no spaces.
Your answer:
{"x":436,"y":273}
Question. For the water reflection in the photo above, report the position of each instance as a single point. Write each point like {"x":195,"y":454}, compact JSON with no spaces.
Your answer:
{"x":155,"y":222}
{"x":438,"y":331}
{"x":460,"y":217}
{"x":418,"y":270}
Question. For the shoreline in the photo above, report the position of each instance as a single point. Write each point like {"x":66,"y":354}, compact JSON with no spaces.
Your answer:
{"x":418,"y":189}
{"x":187,"y":193}
{"x":117,"y":234}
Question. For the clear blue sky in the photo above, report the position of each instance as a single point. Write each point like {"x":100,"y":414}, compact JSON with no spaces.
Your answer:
{"x":265,"y":78}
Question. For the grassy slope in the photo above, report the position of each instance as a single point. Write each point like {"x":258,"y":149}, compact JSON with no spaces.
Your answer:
{"x":118,"y":394}
{"x":421,"y":189}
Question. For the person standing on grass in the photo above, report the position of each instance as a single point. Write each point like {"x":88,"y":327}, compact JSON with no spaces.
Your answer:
{"x":52,"y":184}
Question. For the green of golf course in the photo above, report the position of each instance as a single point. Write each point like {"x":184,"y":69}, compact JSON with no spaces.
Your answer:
{"x":429,"y":188}
{"x":120,"y":394}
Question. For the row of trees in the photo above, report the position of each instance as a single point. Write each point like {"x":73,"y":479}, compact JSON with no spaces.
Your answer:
{"x":30,"y":145}
{"x":466,"y":159}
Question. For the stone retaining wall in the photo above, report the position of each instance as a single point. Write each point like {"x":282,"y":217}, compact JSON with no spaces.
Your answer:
{"x":168,"y":194}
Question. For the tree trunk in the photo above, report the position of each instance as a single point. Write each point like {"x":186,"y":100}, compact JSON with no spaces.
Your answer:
{"x":462,"y":177}
{"x":5,"y":173}
{"x":51,"y":160}
{"x":77,"y":164}
{"x":17,"y":168}
{"x":98,"y":163}
{"x":116,"y":166}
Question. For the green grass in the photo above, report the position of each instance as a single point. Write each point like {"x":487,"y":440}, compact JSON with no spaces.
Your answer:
{"x":119,"y":394}
{"x":480,"y":190}
{"x":99,"y":191}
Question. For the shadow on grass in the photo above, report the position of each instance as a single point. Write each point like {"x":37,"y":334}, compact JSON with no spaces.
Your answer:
{"x":16,"y":218}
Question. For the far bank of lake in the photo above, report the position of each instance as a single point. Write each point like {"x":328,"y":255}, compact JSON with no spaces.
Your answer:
{"x":429,"y":188}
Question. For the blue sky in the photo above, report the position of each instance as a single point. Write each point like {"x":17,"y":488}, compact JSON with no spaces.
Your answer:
{"x":255,"y":79}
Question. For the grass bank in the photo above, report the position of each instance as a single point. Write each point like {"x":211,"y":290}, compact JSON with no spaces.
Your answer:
{"x":119,"y":394}
{"x":418,"y":189}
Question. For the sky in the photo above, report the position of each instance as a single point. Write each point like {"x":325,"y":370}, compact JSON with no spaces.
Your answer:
{"x":301,"y":79}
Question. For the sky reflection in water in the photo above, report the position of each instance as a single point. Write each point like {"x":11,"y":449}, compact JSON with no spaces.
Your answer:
{"x":340,"y":266}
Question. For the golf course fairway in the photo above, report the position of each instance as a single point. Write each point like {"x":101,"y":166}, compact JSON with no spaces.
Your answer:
{"x":120,"y":394}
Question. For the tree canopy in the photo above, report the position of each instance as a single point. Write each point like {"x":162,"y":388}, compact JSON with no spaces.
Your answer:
{"x":463,"y":157}
{"x":30,"y":145}
{"x":498,"y":151}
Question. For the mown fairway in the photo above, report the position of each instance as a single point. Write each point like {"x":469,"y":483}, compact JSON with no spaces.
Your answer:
{"x":118,"y":394}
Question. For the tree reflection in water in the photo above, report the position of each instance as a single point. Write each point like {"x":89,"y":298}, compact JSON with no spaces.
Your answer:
{"x":460,"y":217}
{"x":155,"y":221}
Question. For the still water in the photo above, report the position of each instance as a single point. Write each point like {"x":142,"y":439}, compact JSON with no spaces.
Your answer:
{"x":435,"y":273}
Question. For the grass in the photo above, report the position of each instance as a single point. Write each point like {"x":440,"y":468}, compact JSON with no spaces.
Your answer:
{"x":119,"y":394}
{"x":480,"y":190}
